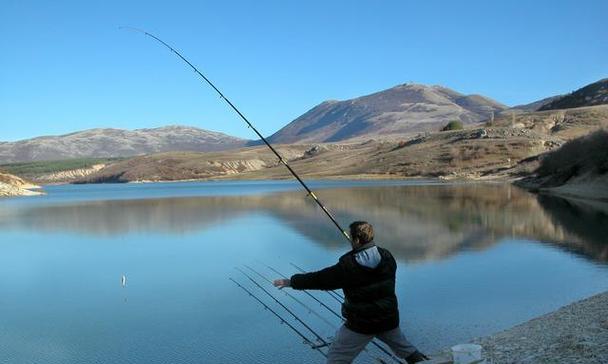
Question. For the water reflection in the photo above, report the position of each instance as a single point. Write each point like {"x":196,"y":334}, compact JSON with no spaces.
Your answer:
{"x":415,"y":222}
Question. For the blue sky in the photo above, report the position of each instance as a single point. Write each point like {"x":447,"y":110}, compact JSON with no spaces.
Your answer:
{"x":65,"y":66}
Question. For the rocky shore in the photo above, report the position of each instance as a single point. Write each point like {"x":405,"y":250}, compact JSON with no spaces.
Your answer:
{"x":574,"y":334}
{"x":577,"y":334}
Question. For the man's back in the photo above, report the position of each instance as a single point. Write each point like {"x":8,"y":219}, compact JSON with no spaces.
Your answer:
{"x":367,"y":276}
{"x":370,"y":304}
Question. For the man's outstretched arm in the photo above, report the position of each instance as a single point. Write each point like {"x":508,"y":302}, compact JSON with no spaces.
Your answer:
{"x":329,"y":278}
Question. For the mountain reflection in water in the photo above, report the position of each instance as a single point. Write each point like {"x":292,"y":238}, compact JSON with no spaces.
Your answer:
{"x":415,"y":222}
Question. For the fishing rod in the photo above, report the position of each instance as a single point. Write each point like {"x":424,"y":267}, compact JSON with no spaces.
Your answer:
{"x":250,"y":125}
{"x":322,"y":341}
{"x":333,"y":294}
{"x":283,"y":321}
{"x":308,"y":308}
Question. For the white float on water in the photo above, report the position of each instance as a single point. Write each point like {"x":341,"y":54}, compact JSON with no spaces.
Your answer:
{"x":467,"y":354}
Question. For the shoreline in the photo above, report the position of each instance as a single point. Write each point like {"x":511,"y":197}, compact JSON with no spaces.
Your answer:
{"x":353,"y":177}
{"x":575,"y":334}
{"x":579,"y":195}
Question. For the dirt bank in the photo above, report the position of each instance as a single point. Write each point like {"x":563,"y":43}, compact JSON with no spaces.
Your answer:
{"x":14,"y":186}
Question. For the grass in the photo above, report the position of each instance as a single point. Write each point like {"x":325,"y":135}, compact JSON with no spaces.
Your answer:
{"x":32,"y":169}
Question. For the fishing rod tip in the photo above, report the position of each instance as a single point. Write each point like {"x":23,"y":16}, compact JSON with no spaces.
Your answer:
{"x":130,"y":28}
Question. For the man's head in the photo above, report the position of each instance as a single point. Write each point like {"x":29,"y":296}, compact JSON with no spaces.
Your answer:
{"x":361,"y":233}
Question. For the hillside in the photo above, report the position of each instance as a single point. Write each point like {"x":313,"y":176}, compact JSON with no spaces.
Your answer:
{"x":403,"y":109}
{"x":564,"y":124}
{"x":110,"y":143}
{"x":174,"y":166}
{"x":476,"y":153}
{"x":590,"y":95}
{"x":509,"y":147}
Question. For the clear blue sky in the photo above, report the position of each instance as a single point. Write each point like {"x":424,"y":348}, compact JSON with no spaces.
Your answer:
{"x":65,"y":66}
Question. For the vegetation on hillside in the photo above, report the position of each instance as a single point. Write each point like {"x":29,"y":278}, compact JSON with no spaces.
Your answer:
{"x":588,"y":154}
{"x":453,"y":125}
{"x":34,"y":169}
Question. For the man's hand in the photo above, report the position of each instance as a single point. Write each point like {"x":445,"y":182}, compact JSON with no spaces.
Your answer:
{"x":282,"y":283}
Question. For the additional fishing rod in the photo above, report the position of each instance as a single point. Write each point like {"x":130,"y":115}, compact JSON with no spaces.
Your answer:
{"x":308,"y":190}
{"x":322,"y":341}
{"x":308,"y":308}
{"x":309,"y":294}
{"x":391,"y":355}
{"x":333,"y":294}
{"x":283,"y":321}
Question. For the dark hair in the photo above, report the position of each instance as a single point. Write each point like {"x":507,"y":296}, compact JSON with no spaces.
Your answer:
{"x":361,"y":232}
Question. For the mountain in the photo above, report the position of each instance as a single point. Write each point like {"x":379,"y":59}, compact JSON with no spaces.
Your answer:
{"x":105,"y":143}
{"x":590,"y":95}
{"x":403,"y":109}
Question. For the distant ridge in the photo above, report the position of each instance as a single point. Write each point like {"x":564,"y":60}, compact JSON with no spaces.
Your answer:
{"x":108,"y":143}
{"x":591,"y":95}
{"x":402,"y":109}
{"x":536,"y":105}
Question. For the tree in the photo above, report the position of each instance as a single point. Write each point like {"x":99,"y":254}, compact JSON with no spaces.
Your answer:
{"x":453,"y":125}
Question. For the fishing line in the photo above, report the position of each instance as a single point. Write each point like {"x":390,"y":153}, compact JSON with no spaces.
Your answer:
{"x":283,"y":321}
{"x":308,"y":308}
{"x":249,"y":124}
{"x":317,"y":335}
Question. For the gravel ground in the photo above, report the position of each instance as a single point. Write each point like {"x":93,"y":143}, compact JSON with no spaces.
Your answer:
{"x":577,"y":334}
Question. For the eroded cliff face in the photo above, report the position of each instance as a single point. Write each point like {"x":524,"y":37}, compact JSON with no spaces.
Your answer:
{"x":14,"y":186}
{"x":69,"y":175}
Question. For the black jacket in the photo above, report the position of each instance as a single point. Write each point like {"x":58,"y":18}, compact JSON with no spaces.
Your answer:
{"x":370,"y":304}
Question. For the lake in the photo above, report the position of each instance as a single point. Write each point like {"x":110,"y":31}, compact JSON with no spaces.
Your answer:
{"x":474,"y":259}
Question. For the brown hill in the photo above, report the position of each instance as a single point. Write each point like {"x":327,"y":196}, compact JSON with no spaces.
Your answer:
{"x":476,"y":153}
{"x":403,"y":109}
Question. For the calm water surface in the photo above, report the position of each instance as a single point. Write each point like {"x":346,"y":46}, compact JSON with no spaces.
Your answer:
{"x":473,"y":260}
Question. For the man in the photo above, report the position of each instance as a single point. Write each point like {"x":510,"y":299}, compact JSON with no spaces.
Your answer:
{"x":366,"y":274}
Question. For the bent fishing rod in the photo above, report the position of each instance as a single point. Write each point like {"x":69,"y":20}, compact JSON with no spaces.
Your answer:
{"x":250,"y":125}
